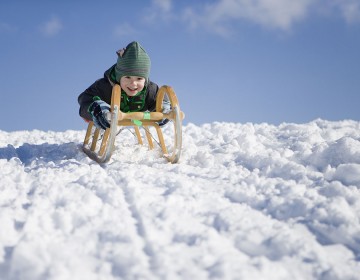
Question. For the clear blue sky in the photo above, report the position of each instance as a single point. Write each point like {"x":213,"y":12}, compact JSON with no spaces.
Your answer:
{"x":228,"y":60}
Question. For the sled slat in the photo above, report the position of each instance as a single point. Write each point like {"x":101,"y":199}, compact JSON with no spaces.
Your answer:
{"x":95,"y":139}
{"x":88,"y":133}
{"x":104,"y":142}
{"x":161,"y":139}
{"x":152,"y":116}
{"x":148,"y":137}
{"x":138,"y":135}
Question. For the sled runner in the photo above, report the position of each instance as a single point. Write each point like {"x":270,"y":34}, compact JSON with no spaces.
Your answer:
{"x":99,"y":144}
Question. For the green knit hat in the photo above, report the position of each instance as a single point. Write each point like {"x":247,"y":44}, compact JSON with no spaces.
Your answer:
{"x":134,"y":62}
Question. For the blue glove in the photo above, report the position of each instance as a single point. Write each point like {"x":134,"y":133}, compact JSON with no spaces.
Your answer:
{"x":166,"y":109}
{"x":162,"y":122}
{"x":98,"y":110}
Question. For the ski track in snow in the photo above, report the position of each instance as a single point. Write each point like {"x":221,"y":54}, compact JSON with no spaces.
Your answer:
{"x":246,"y":201}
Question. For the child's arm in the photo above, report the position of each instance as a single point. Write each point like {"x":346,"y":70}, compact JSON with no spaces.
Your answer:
{"x":151,"y":97}
{"x":101,"y":88}
{"x":151,"y":101}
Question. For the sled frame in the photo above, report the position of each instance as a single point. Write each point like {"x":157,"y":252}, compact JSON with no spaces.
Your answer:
{"x":99,"y":144}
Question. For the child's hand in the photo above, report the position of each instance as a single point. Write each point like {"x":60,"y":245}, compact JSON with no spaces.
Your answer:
{"x":99,"y":111}
{"x":166,"y":109}
{"x":162,"y":122}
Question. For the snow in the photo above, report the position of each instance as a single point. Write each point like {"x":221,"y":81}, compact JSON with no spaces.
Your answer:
{"x":246,"y":201}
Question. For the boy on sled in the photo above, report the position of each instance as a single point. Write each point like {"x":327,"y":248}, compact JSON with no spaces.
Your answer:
{"x":126,"y":97}
{"x":138,"y":93}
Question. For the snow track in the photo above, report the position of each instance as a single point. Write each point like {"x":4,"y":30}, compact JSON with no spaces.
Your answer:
{"x":246,"y":201}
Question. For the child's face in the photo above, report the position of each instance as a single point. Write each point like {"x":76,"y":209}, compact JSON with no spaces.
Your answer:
{"x":132,"y":84}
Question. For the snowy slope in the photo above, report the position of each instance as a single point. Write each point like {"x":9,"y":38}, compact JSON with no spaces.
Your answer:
{"x":247,"y":201}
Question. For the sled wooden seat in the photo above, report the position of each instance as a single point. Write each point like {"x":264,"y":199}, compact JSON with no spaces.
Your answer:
{"x":101,"y":152}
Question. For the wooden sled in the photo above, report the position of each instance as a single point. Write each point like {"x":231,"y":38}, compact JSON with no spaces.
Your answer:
{"x":99,"y":144}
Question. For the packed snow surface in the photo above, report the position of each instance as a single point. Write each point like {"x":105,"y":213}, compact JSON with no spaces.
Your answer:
{"x":246,"y":201}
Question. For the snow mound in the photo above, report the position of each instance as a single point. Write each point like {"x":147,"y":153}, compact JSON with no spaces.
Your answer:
{"x":246,"y":201}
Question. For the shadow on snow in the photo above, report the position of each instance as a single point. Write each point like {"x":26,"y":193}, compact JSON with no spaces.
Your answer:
{"x":43,"y":152}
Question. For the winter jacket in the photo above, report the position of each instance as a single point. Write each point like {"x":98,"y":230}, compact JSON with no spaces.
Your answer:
{"x":103,"y":89}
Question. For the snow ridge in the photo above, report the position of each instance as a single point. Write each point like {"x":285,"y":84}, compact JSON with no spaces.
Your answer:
{"x":246,"y":201}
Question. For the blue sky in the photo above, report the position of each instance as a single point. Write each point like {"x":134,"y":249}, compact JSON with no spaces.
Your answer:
{"x":241,"y":61}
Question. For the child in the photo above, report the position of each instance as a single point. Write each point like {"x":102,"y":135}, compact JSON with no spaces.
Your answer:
{"x":138,"y":93}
